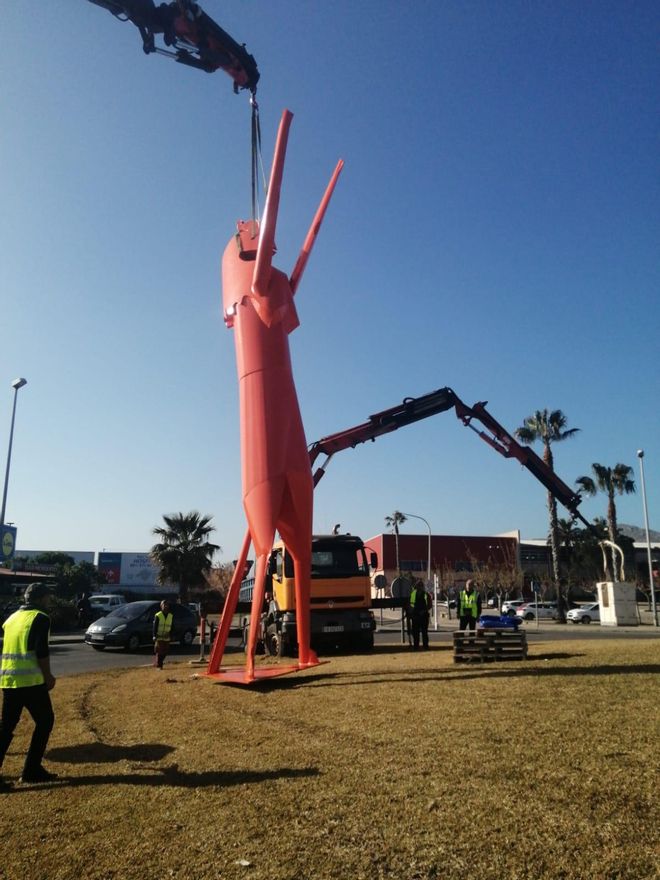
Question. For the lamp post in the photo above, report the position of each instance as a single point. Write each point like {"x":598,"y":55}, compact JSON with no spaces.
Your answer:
{"x":16,"y":384}
{"x":428,"y":567}
{"x":640,"y":456}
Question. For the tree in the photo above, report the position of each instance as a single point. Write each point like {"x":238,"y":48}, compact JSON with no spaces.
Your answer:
{"x":83,"y":577}
{"x":549,"y":428}
{"x":393,"y":522}
{"x":54,"y":557}
{"x":612,"y":481}
{"x":184,"y":553}
{"x":585,"y":557}
{"x":70,"y":578}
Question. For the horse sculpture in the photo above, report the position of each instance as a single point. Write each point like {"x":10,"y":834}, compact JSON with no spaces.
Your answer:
{"x":258,"y":302}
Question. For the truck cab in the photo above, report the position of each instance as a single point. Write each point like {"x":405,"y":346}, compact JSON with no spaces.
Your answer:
{"x":340,"y":598}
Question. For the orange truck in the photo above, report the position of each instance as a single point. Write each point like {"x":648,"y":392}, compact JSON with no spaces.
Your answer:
{"x":340,"y":599}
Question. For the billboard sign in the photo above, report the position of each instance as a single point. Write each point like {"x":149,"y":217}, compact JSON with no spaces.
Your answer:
{"x":130,"y":571}
{"x":137,"y":570}
{"x":109,"y":564}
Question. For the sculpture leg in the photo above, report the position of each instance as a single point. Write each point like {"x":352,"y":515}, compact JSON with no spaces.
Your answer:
{"x":302,"y":574}
{"x":255,"y":615}
{"x":295,"y":527}
{"x":229,"y":609}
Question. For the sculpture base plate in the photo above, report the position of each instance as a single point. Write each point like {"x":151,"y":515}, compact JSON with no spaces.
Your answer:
{"x":239,"y":674}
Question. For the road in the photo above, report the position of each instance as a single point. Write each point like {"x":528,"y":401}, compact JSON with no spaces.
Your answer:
{"x":70,"y":657}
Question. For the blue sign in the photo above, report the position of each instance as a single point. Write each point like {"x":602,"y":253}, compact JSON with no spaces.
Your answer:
{"x":536,"y":587}
{"x":8,"y":545}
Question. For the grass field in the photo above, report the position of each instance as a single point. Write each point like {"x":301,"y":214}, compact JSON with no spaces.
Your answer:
{"x":395,"y":765}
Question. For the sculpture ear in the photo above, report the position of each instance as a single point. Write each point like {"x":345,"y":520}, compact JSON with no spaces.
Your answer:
{"x":266,"y":247}
{"x":308,"y":244}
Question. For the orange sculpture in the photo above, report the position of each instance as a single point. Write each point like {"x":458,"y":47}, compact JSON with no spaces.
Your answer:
{"x":258,"y":302}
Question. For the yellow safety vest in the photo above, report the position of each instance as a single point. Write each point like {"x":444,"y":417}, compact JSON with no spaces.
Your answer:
{"x":468,"y":603}
{"x":413,"y":599}
{"x":18,"y":666}
{"x":164,"y":627}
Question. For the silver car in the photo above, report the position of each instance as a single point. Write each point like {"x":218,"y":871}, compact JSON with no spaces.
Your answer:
{"x":545,"y":611}
{"x":585,"y":613}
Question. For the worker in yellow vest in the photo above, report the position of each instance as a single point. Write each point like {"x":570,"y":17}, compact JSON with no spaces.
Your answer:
{"x":469,"y":606}
{"x":162,"y":633}
{"x":26,"y":679}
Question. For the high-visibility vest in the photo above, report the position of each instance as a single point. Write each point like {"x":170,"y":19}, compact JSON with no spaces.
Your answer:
{"x":413,"y":600}
{"x":468,"y":603}
{"x":164,"y":627}
{"x":18,"y":666}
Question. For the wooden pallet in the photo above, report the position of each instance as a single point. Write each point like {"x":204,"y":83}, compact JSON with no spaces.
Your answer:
{"x":489,"y":646}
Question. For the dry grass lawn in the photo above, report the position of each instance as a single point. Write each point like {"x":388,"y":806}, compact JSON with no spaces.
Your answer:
{"x":394,"y":765}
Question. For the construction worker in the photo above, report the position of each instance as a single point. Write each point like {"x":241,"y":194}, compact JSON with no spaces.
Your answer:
{"x":26,"y":679}
{"x":162,"y":633}
{"x":420,"y":608}
{"x":469,"y":606}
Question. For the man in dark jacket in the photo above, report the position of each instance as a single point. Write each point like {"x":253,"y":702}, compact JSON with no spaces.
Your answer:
{"x":26,"y":679}
{"x":420,"y":608}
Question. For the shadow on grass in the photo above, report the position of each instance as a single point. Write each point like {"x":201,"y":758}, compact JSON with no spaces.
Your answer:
{"x":103,"y":753}
{"x":462,"y":672}
{"x":172,"y":776}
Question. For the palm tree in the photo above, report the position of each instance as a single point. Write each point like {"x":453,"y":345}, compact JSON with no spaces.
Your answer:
{"x":393,"y":522}
{"x":549,"y":427}
{"x":613,"y":481}
{"x":184,"y":553}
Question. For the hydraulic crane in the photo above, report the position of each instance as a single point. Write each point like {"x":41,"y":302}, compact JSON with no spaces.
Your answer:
{"x":414,"y":409}
{"x":191,"y":36}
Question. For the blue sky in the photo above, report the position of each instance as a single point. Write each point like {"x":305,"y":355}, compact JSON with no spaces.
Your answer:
{"x":495,"y":230}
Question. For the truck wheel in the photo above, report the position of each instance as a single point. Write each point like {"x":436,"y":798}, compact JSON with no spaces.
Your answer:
{"x":259,"y":648}
{"x":367,"y":642}
{"x":274,"y":644}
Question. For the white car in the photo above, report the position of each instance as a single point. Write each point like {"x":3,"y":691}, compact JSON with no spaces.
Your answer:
{"x":512,"y":605}
{"x":584,"y":613}
{"x":545,"y":610}
{"x":103,"y":604}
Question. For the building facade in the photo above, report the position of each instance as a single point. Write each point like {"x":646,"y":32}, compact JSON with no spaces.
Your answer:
{"x":453,"y":558}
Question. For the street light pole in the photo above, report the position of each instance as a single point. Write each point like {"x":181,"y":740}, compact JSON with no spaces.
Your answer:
{"x":16,"y":384}
{"x":640,"y":456}
{"x":428,"y":566}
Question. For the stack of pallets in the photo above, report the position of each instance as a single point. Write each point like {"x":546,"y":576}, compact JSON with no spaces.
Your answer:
{"x":489,"y":645}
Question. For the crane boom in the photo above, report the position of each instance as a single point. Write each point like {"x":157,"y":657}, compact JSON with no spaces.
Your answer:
{"x":414,"y":409}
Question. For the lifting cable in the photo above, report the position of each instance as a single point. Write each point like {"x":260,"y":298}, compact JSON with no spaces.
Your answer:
{"x":257,"y":164}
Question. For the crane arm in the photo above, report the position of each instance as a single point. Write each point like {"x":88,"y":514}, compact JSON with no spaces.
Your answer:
{"x":414,"y":409}
{"x":192,"y":37}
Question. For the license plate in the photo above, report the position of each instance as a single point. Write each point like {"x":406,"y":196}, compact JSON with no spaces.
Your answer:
{"x":98,"y":638}
{"x":333,"y":629}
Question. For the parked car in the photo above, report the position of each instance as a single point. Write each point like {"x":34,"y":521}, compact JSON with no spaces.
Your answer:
{"x":512,"y":605}
{"x":130,"y":626}
{"x":584,"y":613}
{"x":546,"y":610}
{"x":8,"y":609}
{"x":103,"y":604}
